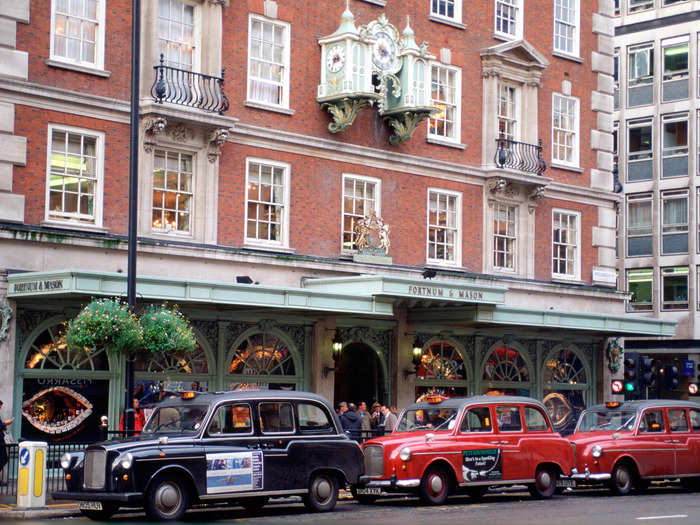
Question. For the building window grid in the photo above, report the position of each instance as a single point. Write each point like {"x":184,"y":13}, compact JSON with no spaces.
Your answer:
{"x":265,"y":202}
{"x":675,"y":130}
{"x":566,"y":26}
{"x":172,"y":191}
{"x":176,"y":27}
{"x":674,"y":214}
{"x":675,"y":57}
{"x":360,"y":198}
{"x":564,"y":244}
{"x":443,"y":227}
{"x":640,"y":283}
{"x":508,"y":17}
{"x":639,"y":218}
{"x":640,"y":61}
{"x":444,"y":85}
{"x":268,"y":62}
{"x":73,"y":176}
{"x":76,"y":31}
{"x":640,"y":142}
{"x":565,"y":129}
{"x":507,"y":112}
{"x":674,"y":283}
{"x":450,"y":9}
{"x":639,"y":5}
{"x":504,"y":237}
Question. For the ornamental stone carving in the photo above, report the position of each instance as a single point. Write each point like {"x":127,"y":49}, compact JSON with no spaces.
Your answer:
{"x":5,"y":316}
{"x":153,"y":126}
{"x":180,"y":133}
{"x":217,"y":139}
{"x":372,"y":235}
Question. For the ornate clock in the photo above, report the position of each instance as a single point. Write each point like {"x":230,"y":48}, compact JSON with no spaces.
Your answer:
{"x":335,"y":59}
{"x":384,"y":53}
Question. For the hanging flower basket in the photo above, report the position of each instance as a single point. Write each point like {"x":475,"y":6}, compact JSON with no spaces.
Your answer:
{"x":104,"y":323}
{"x":166,"y":330}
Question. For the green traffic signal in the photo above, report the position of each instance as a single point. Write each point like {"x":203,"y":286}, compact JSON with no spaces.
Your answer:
{"x":629,"y":387}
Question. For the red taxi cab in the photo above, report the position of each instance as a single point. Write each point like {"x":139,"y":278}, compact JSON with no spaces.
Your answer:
{"x":626,"y":445}
{"x":446,"y":446}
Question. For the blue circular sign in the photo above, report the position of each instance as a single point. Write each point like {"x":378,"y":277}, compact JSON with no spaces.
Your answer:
{"x":24,"y":456}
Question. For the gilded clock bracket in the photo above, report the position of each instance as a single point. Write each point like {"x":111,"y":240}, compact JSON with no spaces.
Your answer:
{"x":404,"y":123}
{"x":344,"y":111}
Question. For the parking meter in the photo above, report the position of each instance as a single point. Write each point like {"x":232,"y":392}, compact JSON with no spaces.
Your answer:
{"x":31,"y":477}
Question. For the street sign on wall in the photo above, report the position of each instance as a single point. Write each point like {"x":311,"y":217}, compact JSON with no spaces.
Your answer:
{"x":688,"y":367}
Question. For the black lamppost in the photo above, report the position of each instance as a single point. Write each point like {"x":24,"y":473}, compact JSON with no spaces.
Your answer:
{"x":133,"y":200}
{"x":416,"y":357}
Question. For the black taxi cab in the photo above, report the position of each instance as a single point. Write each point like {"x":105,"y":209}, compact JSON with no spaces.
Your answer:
{"x":241,"y":447}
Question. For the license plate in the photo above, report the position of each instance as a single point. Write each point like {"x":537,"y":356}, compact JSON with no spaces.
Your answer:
{"x":369,"y":491}
{"x":566,"y":483}
{"x":90,"y":505}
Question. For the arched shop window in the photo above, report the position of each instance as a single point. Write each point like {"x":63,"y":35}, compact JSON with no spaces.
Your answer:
{"x":166,"y":374}
{"x":506,"y":371}
{"x":442,"y":370}
{"x":64,"y":391}
{"x":566,"y":383}
{"x":263,"y":361}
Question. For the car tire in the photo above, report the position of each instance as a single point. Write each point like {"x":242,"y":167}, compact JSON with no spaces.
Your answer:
{"x":477,"y":492}
{"x":254,"y":504}
{"x":109,"y":509}
{"x":167,"y":499}
{"x":434,"y":486}
{"x":691,"y":483}
{"x":362,"y":499}
{"x":621,"y":480}
{"x":545,"y":484}
{"x":323,"y":492}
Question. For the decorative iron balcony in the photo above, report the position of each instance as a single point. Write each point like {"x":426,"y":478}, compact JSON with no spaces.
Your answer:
{"x":520,"y":156}
{"x":187,"y":88}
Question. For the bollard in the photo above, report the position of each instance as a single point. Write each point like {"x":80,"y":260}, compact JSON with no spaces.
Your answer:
{"x":31,"y":478}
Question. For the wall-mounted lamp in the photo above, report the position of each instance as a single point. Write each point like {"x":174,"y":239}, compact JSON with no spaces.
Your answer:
{"x":416,"y":357}
{"x":337,"y":347}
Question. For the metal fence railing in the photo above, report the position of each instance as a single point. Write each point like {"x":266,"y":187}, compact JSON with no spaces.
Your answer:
{"x":54,"y":472}
{"x":363,"y":435}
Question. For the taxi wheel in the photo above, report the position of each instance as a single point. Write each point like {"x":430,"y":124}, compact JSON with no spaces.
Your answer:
{"x":323,"y":493}
{"x":621,"y":480}
{"x":545,"y":484}
{"x":434,"y":486}
{"x":254,"y":504}
{"x":166,"y":499}
{"x":108,"y":510}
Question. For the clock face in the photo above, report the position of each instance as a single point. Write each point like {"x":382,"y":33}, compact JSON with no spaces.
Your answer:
{"x":335,"y":59}
{"x":384,"y":52}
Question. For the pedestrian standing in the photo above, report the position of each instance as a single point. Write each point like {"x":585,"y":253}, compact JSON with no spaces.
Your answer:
{"x":139,"y":418}
{"x":366,"y":419}
{"x":4,"y":459}
{"x":377,"y":416}
{"x":350,"y":419}
{"x":390,"y":420}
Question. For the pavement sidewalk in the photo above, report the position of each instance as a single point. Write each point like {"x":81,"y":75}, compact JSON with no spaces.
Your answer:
{"x":54,"y":510}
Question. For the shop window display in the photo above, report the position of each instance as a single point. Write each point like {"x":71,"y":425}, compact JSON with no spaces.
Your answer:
{"x":566,"y":383}
{"x":443,"y":371}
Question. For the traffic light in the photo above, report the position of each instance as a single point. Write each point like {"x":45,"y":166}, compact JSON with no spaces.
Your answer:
{"x":631,"y":372}
{"x":671,"y":377}
{"x":647,"y":372}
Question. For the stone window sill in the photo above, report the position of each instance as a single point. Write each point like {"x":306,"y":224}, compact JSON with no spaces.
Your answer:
{"x":445,"y":142}
{"x":74,"y":226}
{"x":381,"y":3}
{"x":78,"y":68}
{"x":266,"y":107}
{"x":447,"y":22}
{"x":268,"y":247}
{"x":566,"y":167}
{"x":566,"y":56}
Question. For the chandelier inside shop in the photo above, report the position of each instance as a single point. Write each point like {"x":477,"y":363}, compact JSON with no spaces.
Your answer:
{"x":374,"y":64}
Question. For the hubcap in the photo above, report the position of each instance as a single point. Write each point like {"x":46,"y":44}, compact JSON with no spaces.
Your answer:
{"x":623,"y":478}
{"x":167,"y":498}
{"x":544,"y":481}
{"x":436,"y":484}
{"x":323,"y":489}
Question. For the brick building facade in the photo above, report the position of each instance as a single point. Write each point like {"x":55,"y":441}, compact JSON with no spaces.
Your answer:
{"x":502,"y":192}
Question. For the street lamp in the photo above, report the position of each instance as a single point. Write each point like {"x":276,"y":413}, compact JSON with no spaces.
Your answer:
{"x":337,"y":349}
{"x":416,"y":357}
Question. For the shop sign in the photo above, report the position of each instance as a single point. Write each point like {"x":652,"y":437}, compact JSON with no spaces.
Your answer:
{"x":441,"y":292}
{"x":43,"y":285}
{"x":688,"y":367}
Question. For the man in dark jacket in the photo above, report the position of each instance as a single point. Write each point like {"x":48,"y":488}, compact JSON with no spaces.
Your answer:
{"x":350,"y":419}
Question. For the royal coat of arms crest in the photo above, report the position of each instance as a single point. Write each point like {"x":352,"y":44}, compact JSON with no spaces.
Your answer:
{"x":372,"y":236}
{"x":615,"y":353}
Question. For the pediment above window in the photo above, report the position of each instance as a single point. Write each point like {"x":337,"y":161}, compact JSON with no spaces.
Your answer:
{"x":517,"y":60}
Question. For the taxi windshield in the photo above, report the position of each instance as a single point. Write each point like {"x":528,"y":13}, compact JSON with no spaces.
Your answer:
{"x":179,"y":419}
{"x":434,"y":419}
{"x":615,"y":420}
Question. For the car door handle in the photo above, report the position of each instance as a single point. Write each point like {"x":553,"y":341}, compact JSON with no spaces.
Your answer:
{"x":499,"y":442}
{"x":671,"y":441}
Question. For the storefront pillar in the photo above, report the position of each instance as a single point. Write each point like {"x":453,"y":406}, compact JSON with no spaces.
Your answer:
{"x":612,"y":365}
{"x":405,"y":384}
{"x":322,"y":357}
{"x":8,"y":318}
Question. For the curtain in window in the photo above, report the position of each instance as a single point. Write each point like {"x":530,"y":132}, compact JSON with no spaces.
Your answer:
{"x":676,"y":211}
{"x":639,"y":218}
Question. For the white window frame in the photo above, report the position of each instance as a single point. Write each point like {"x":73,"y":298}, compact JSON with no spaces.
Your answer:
{"x":574,"y":24}
{"x":284,"y":104}
{"x":99,"y":176}
{"x":643,"y":5}
{"x":497,"y":206}
{"x":457,"y":11}
{"x":669,"y":305}
{"x":515,"y":118}
{"x":641,"y":79}
{"x":457,"y":123}
{"x":674,"y":228}
{"x":190,"y":232}
{"x":99,"y":39}
{"x":377,"y":203}
{"x":575,"y":104}
{"x":458,"y":228}
{"x":675,"y":151}
{"x":576,"y":275}
{"x":519,"y":7}
{"x":639,"y":198}
{"x":284,"y":229}
{"x":196,"y":36}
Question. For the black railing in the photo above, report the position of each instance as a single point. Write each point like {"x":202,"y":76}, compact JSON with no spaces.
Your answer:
{"x":363,"y":435}
{"x":520,"y":156}
{"x":54,"y":473}
{"x":187,"y":88}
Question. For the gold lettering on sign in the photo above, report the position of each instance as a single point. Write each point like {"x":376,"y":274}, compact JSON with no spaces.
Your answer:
{"x":434,"y":291}
{"x":38,"y":286}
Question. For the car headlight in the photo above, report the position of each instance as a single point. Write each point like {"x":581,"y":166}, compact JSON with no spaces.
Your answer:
{"x":66,"y":461}
{"x":124,"y":461}
{"x":596,"y":451}
{"x":405,"y":454}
